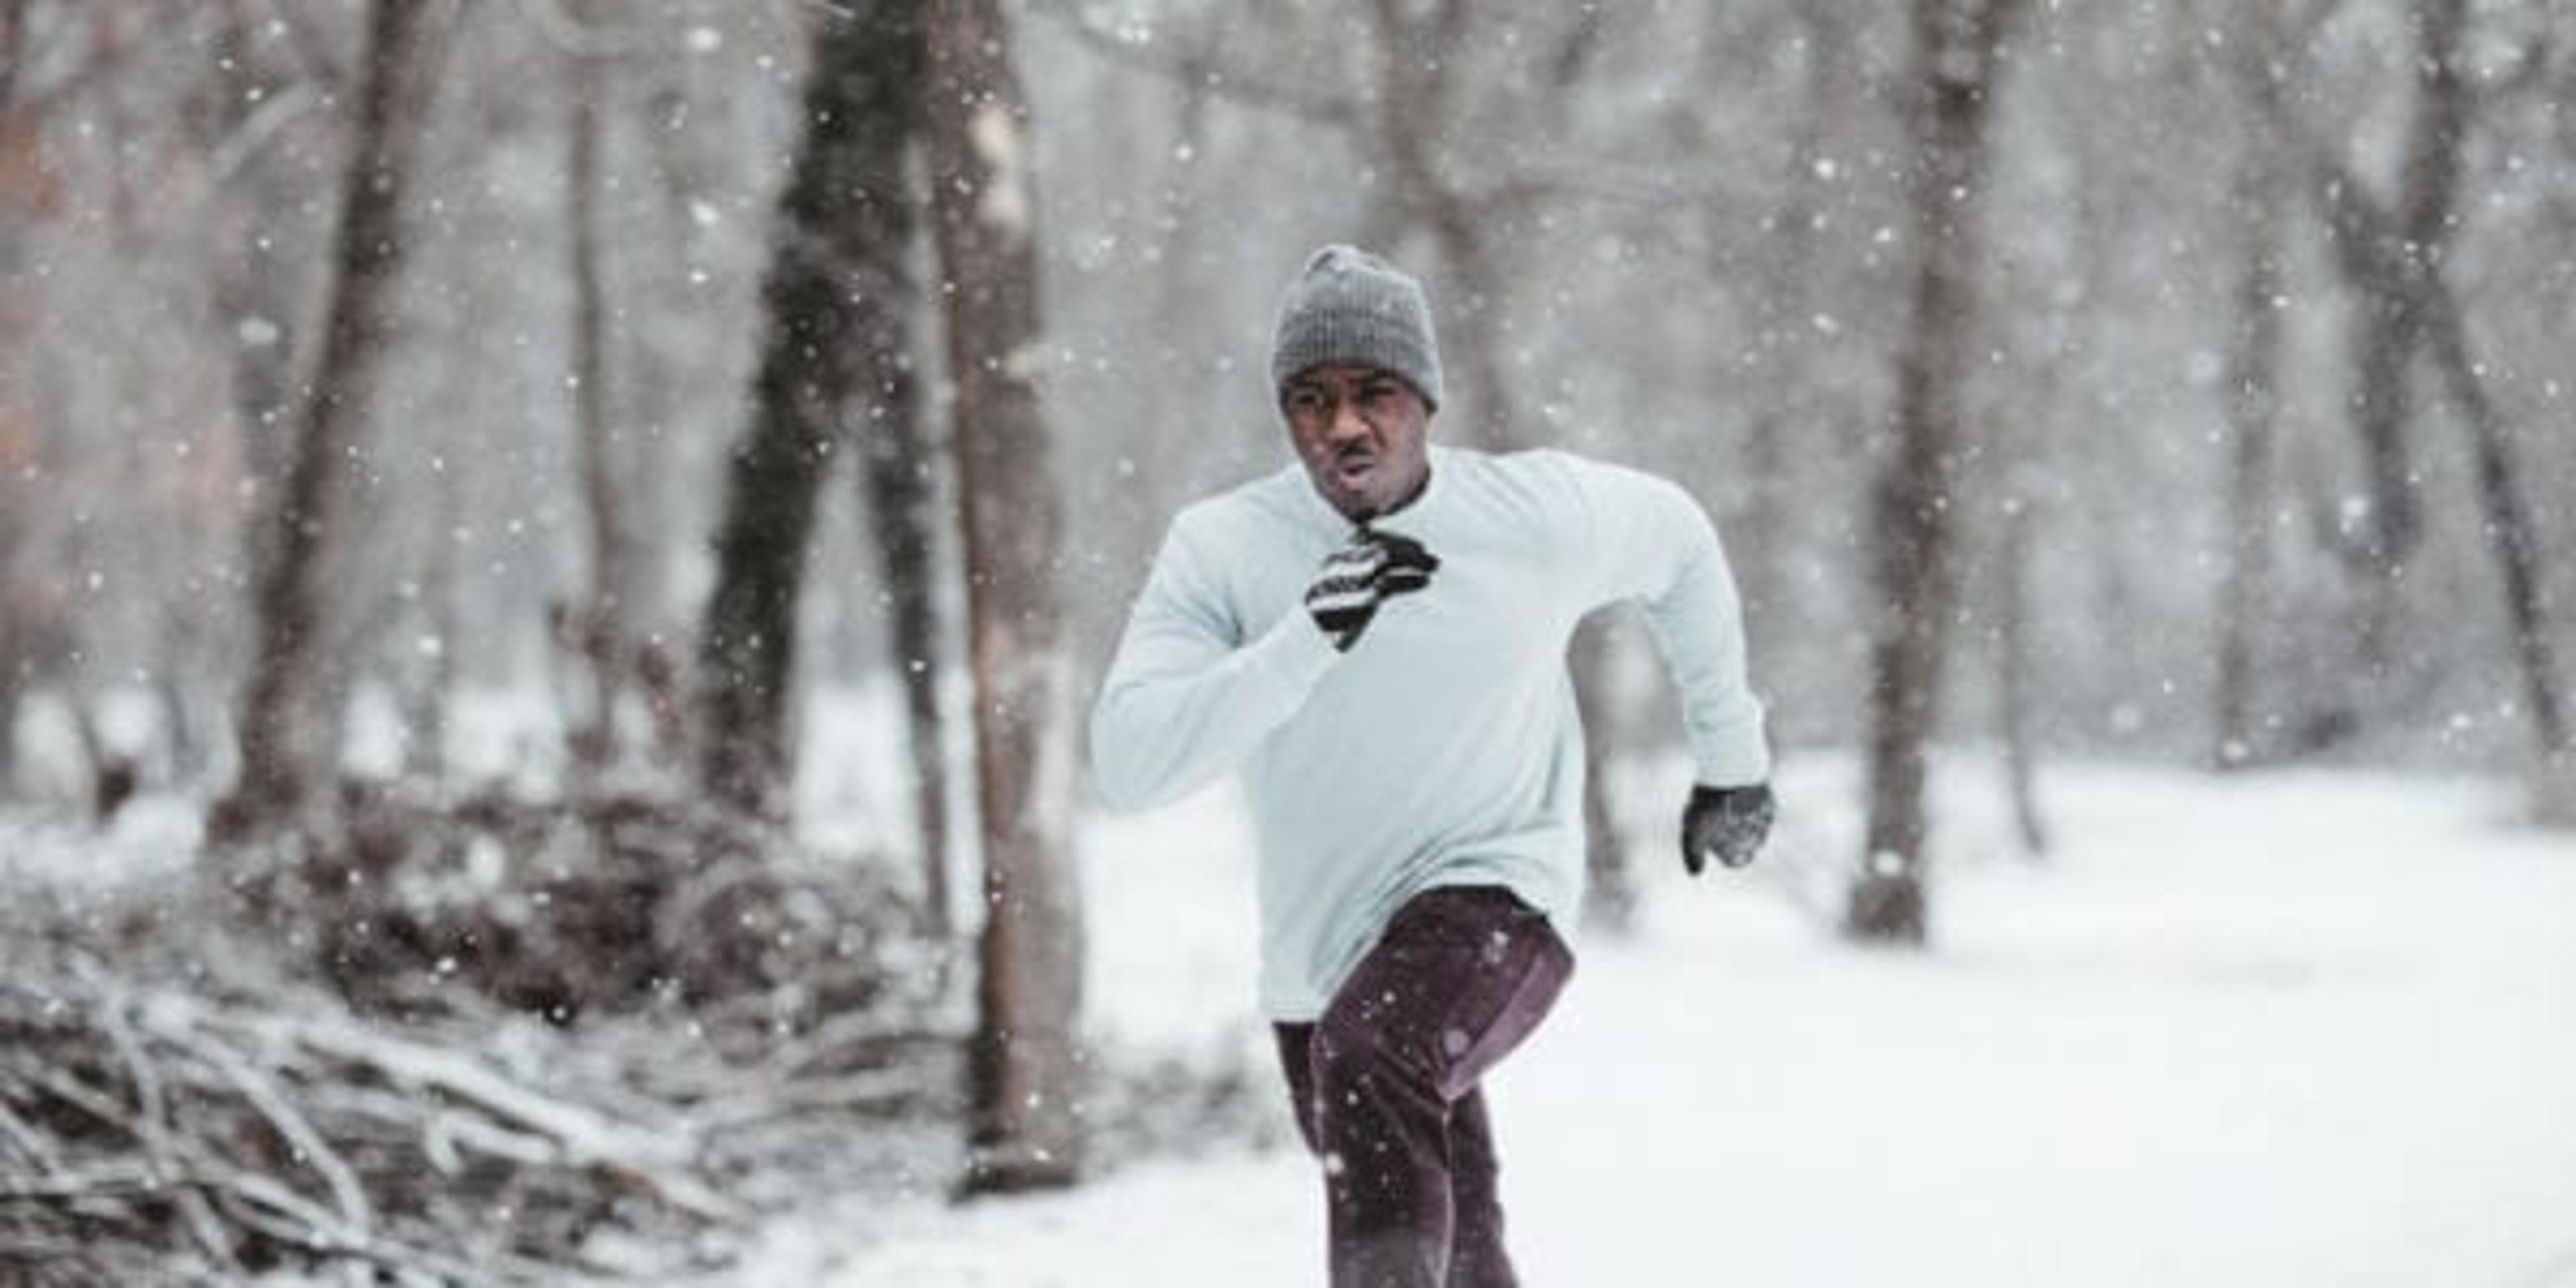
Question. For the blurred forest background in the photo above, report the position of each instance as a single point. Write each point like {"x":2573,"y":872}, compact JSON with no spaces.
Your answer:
{"x":469,"y":454}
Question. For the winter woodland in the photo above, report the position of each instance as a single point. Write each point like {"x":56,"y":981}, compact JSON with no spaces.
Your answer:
{"x":554,"y":553}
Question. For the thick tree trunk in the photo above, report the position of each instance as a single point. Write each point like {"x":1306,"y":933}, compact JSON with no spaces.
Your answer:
{"x":899,"y":465}
{"x":285,"y":742}
{"x":1025,"y":1067}
{"x":1913,"y":563}
{"x":834,"y":337}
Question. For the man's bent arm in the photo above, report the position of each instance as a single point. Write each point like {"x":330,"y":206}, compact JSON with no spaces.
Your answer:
{"x":1185,"y":701}
{"x":1656,"y":543}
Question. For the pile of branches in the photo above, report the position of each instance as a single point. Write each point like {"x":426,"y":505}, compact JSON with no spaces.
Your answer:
{"x":489,"y":1042}
{"x":607,"y":905}
{"x":147,"y":1130}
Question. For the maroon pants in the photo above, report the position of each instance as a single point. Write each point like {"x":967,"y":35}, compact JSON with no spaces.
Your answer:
{"x":1385,"y":1090}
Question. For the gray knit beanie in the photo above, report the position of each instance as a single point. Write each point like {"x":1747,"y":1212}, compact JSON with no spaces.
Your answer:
{"x":1348,"y":305}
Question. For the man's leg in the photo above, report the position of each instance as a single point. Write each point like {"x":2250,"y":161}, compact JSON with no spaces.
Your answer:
{"x":1459,"y":979}
{"x":1476,"y":1255}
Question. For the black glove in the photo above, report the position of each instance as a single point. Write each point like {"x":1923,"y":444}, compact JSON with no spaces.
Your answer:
{"x":1728,"y":822}
{"x":1373,"y":568}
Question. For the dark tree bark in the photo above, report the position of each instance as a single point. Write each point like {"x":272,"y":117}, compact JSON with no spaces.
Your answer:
{"x":900,"y":468}
{"x":1025,"y":1065}
{"x":1914,"y":574}
{"x":835,"y":343}
{"x":898,"y":461}
{"x":285,"y":742}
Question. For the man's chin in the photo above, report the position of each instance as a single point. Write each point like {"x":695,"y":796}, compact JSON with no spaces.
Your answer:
{"x":1354,"y":502}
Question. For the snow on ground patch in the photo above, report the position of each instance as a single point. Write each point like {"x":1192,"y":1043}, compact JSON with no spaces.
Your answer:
{"x":2297,"y":1029}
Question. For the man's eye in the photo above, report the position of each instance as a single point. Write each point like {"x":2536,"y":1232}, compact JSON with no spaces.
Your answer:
{"x":1378,"y":392}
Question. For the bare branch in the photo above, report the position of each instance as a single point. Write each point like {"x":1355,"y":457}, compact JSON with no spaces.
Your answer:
{"x":152,"y":1129}
{"x":356,"y":1214}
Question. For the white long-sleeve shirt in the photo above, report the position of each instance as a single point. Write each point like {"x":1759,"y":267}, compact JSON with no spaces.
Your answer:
{"x":1444,"y":749}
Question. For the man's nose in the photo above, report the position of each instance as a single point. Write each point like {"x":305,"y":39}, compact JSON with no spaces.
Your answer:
{"x":1347,"y":423}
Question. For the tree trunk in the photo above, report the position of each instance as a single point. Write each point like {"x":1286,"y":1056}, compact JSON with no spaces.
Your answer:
{"x":598,"y":617}
{"x":901,"y":477}
{"x":2015,"y":661}
{"x":17,"y":431}
{"x":2393,"y":258}
{"x":1783,"y":333}
{"x":898,"y":461}
{"x":2389,"y":257}
{"x":285,"y":742}
{"x":2515,"y":544}
{"x":1026,"y":1063}
{"x":2254,"y":360}
{"x":1913,"y":563}
{"x":834,"y":336}
{"x":13,"y":44}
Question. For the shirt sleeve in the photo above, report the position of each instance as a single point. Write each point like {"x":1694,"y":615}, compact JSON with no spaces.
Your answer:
{"x":1652,"y":542}
{"x":1187,"y":698}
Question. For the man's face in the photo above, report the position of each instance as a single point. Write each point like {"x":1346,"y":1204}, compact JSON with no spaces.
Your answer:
{"x":1359,"y":432}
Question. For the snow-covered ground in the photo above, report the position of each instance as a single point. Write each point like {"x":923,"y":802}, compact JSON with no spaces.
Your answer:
{"x":2268,"y":1030}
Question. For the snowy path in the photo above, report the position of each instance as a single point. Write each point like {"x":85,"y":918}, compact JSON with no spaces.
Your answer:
{"x":2309,"y":1030}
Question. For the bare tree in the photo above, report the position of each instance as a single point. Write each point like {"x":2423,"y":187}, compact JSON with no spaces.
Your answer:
{"x":836,"y":353}
{"x":1026,"y":1061}
{"x":1913,"y":566}
{"x":2259,"y":191}
{"x":2391,"y":252}
{"x":900,"y":469}
{"x":287,"y":736}
{"x":595,"y":622}
{"x":18,"y":176}
{"x":899,"y":465}
{"x":2386,"y":260}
